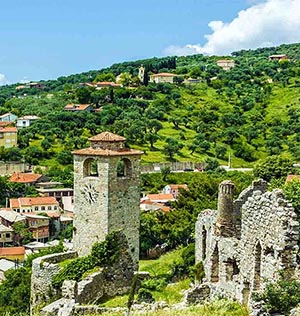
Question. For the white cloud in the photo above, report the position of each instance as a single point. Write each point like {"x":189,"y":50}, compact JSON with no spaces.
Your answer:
{"x":3,"y":80}
{"x":270,"y":23}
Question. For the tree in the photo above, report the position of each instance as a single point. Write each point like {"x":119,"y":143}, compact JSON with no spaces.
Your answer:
{"x":23,"y":235}
{"x":109,"y":76}
{"x":172,"y":147}
{"x":273,"y":167}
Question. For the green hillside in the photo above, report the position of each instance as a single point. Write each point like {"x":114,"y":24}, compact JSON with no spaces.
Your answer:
{"x":249,"y":112}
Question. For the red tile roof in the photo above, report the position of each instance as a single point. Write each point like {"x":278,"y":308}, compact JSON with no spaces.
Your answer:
{"x":292,"y":177}
{"x":76,"y":107}
{"x":8,"y":129}
{"x":24,"y":177}
{"x":177,"y":186}
{"x":160,"y":197}
{"x":32,"y":201}
{"x":107,"y":137}
{"x":106,"y":152}
{"x":6,"y":251}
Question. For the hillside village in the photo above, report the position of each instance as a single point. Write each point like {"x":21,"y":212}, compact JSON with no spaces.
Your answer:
{"x":139,"y":147}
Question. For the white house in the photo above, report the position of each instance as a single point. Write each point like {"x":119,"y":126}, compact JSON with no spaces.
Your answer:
{"x":26,"y":121}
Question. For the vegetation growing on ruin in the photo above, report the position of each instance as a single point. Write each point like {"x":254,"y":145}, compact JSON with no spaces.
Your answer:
{"x":103,"y":254}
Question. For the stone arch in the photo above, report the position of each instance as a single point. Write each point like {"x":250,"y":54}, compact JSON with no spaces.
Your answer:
{"x":90,"y":168}
{"x":204,"y":237}
{"x":231,"y":268}
{"x":124,"y":168}
{"x":215,"y":265}
{"x":257,"y":267}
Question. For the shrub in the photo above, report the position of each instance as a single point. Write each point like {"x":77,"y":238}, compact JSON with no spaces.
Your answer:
{"x":280,"y":297}
{"x":145,"y":295}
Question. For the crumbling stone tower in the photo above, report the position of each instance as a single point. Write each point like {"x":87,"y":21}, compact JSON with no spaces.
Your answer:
{"x":225,"y":216}
{"x":106,"y":192}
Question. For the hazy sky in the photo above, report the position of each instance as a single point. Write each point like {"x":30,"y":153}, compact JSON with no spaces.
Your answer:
{"x":47,"y":39}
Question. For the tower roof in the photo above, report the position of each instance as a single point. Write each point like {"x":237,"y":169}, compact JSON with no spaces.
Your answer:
{"x":107,"y":137}
{"x":107,"y":144}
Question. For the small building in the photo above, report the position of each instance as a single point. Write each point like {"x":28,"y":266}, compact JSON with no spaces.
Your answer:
{"x":8,"y":117}
{"x":27,"y":178}
{"x":8,"y":217}
{"x":163,"y":77}
{"x":36,"y":85}
{"x":13,"y":253}
{"x":278,"y":57}
{"x":6,"y":235}
{"x":34,"y":204}
{"x":226,"y":64}
{"x":147,"y":205}
{"x":78,"y":107}
{"x":174,"y":189}
{"x":160,"y":198}
{"x":26,"y":121}
{"x":8,"y":137}
{"x":39,"y":226}
{"x":292,"y":177}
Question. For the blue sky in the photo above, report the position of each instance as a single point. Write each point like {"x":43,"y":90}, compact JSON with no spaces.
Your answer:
{"x":48,"y":39}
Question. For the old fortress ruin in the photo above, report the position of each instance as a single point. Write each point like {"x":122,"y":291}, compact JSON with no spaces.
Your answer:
{"x":247,"y":242}
{"x":243,"y":244}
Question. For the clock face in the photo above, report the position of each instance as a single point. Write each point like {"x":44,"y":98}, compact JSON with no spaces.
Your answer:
{"x":90,"y":193}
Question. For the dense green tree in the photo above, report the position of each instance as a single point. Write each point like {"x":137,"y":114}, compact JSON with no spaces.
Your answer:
{"x":172,"y":147}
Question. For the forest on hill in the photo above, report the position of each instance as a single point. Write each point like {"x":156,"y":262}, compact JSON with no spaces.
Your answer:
{"x":249,"y":112}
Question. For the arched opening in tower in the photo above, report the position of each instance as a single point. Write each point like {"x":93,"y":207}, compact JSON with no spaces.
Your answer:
{"x":90,"y":168}
{"x":204,"y":236}
{"x":124,"y":168}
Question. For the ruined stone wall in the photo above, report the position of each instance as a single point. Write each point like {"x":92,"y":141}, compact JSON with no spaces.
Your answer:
{"x":266,"y":244}
{"x":43,"y":269}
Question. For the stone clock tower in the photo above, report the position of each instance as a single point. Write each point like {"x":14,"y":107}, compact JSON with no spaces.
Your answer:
{"x":106,"y":192}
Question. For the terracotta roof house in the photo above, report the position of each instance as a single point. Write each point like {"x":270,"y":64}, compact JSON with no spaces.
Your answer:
{"x":78,"y":107}
{"x":174,"y":189}
{"x":160,"y":198}
{"x":163,"y":77}
{"x":27,"y":178}
{"x":12,"y":253}
{"x":226,"y":64}
{"x":148,"y":205}
{"x":34,"y":204}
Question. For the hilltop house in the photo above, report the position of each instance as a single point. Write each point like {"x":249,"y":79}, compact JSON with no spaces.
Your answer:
{"x":78,"y":107}
{"x":163,"y":77}
{"x":8,"y":136}
{"x":8,"y":117}
{"x":278,"y":57}
{"x":174,"y":189}
{"x":26,"y":121}
{"x":226,"y":64}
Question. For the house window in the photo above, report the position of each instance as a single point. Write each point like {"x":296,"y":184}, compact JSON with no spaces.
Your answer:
{"x":7,"y":235}
{"x":49,"y":208}
{"x":43,"y":208}
{"x":36,"y":208}
{"x":55,"y":208}
{"x":0,"y":235}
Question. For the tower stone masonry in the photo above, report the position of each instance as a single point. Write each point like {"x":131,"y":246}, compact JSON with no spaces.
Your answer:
{"x":106,"y":193}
